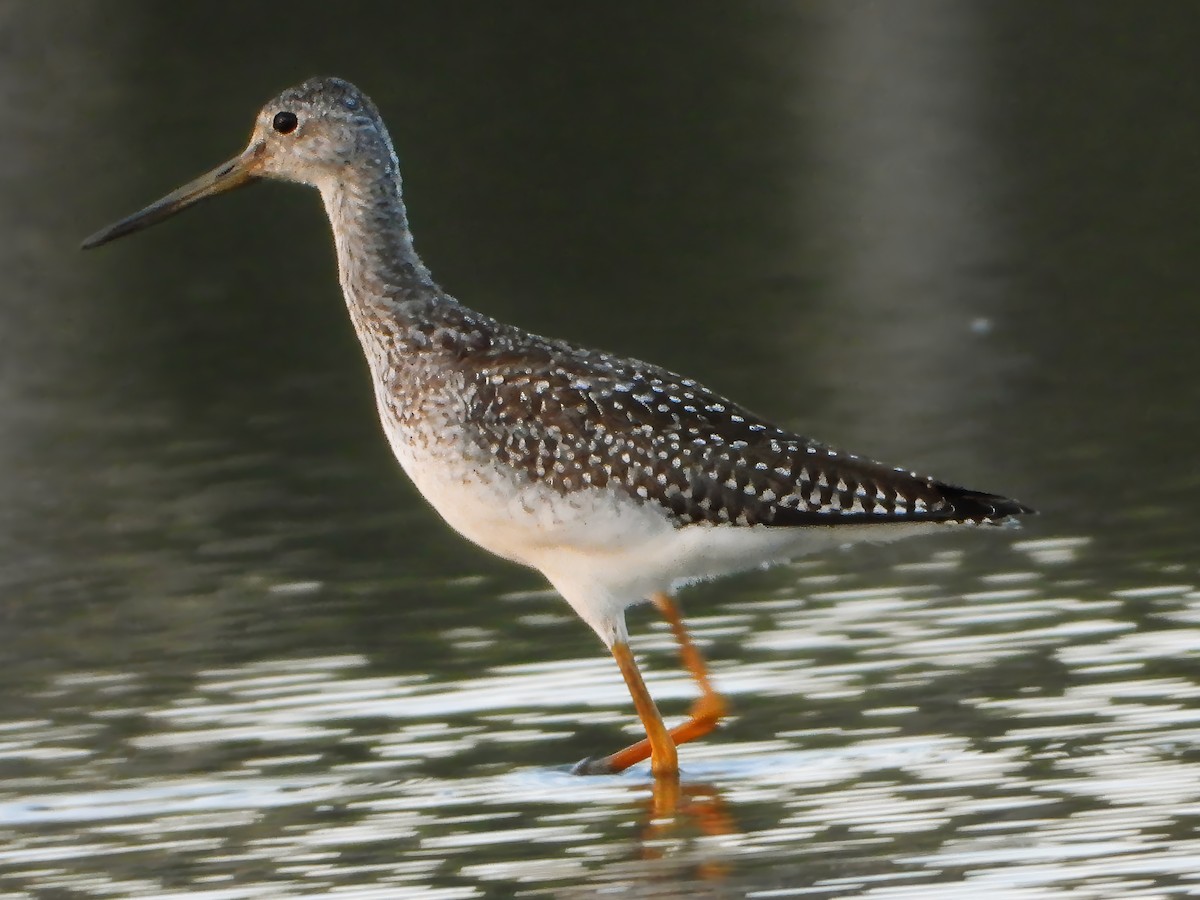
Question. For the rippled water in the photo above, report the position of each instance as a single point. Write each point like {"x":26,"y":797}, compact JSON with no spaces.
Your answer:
{"x":241,"y":658}
{"x":1025,"y":738}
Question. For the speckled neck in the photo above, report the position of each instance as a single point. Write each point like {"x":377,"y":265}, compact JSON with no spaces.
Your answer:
{"x":382,"y":277}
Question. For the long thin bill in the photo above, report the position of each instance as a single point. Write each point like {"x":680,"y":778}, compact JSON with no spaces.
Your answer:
{"x":235,"y":173}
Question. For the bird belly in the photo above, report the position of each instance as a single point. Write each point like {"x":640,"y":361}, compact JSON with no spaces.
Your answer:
{"x":519,"y":519}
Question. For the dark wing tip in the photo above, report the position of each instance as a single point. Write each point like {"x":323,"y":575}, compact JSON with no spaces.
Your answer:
{"x":977,"y":506}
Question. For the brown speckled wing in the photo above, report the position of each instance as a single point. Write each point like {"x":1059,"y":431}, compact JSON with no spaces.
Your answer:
{"x":576,"y":419}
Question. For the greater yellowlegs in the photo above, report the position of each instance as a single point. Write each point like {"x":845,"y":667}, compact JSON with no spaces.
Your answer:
{"x":616,"y":479}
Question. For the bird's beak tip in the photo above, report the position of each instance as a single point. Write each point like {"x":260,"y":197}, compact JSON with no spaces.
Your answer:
{"x":235,"y":173}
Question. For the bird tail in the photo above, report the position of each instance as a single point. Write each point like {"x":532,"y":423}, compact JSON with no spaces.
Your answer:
{"x":980,"y":508}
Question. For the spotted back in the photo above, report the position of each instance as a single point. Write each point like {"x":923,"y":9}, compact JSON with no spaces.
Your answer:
{"x":578,"y":420}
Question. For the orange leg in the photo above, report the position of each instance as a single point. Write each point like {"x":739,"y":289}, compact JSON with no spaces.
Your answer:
{"x":706,"y":712}
{"x":664,"y":761}
{"x":709,"y":707}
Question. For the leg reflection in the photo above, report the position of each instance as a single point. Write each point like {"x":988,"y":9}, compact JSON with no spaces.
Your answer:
{"x":678,"y":815}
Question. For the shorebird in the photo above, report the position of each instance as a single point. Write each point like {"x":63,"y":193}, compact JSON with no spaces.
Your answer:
{"x":616,"y":479}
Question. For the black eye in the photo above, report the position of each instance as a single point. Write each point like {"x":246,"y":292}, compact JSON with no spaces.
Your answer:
{"x":285,"y":122}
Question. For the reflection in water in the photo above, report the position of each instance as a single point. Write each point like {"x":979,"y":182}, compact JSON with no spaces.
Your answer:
{"x":1018,"y":738}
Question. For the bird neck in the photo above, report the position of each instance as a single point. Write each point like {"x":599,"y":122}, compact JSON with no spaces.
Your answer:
{"x":383,"y":279}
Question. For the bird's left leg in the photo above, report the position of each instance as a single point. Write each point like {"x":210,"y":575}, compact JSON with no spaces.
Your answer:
{"x":710,"y":707}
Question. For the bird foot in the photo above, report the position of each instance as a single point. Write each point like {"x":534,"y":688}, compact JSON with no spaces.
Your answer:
{"x":593,"y":765}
